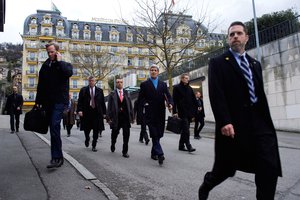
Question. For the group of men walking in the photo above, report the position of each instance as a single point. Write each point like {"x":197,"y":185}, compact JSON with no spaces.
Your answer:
{"x":245,"y":135}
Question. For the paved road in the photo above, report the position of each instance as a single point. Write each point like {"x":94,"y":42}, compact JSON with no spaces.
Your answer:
{"x":139,"y":177}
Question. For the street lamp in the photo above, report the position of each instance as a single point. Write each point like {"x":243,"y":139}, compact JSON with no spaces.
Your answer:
{"x":256,"y":33}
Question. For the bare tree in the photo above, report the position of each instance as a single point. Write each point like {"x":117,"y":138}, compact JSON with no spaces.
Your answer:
{"x":170,"y":37}
{"x":99,"y":64}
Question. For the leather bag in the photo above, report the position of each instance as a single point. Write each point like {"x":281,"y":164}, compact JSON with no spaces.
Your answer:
{"x":174,"y":125}
{"x":36,"y":120}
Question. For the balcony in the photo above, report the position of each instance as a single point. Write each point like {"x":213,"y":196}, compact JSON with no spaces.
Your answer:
{"x":32,"y":46}
{"x":30,"y":86}
{"x":31,"y":59}
{"x":31,"y":73}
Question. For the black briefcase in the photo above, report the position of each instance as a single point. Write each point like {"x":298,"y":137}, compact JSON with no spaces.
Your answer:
{"x":36,"y":120}
{"x":174,"y":125}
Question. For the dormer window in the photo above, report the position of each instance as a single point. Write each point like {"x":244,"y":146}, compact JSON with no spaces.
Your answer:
{"x":59,"y":23}
{"x":98,"y":28}
{"x":75,"y":26}
{"x":98,"y":36}
{"x":33,"y":21}
{"x":86,"y":27}
{"x":46,"y":31}
{"x":47,"y":20}
{"x":86,"y":36}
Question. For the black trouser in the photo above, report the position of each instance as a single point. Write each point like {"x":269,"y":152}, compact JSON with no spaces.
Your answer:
{"x":126,"y":133}
{"x":12,"y":121}
{"x":69,"y":127}
{"x":91,"y":122}
{"x":185,"y":134}
{"x":143,"y":133}
{"x":197,"y":128}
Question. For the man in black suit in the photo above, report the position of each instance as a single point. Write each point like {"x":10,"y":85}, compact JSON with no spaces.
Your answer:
{"x":13,"y":108}
{"x":92,"y":110}
{"x":53,"y":96}
{"x":185,"y":106}
{"x":154,"y":95}
{"x":119,"y":115}
{"x":245,"y":135}
{"x":199,"y":118}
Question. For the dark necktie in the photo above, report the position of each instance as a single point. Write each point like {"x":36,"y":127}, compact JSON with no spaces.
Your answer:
{"x":248,"y":76}
{"x":92,"y":98}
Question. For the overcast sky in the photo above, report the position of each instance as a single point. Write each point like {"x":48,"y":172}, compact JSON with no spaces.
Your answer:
{"x":219,"y":11}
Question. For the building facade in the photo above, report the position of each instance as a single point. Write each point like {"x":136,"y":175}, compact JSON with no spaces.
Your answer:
{"x":108,"y":47}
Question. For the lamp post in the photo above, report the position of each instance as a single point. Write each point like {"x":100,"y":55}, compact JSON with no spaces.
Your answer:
{"x":256,"y":33}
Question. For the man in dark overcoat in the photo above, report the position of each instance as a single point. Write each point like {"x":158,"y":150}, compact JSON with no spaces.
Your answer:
{"x":92,"y":110}
{"x":245,"y":136}
{"x":139,"y":115}
{"x":69,"y":115}
{"x":200,"y":115}
{"x":119,"y":115}
{"x":154,"y":95}
{"x":13,"y":108}
{"x":185,"y":106}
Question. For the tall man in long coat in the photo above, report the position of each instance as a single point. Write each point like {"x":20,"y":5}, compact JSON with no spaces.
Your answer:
{"x":245,"y":136}
{"x":120,"y":115}
{"x":92,"y":110}
{"x":154,"y":95}
{"x":13,"y":108}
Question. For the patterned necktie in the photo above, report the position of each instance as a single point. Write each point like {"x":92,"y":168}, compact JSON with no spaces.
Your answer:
{"x":92,"y":98}
{"x":121,"y":96}
{"x":248,"y":76}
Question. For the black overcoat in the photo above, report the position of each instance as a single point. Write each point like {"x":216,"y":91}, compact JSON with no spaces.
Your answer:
{"x":12,"y":103}
{"x":153,"y":101}
{"x":113,"y":108}
{"x":230,"y":102}
{"x":84,"y":103}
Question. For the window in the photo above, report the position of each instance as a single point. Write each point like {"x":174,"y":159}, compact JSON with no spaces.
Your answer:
{"x":31,"y":82}
{"x":98,"y":28}
{"x":75,"y":35}
{"x":129,"y":62}
{"x":47,"y":20}
{"x":75,"y":71}
{"x":114,"y":49}
{"x":98,"y":48}
{"x":74,"y":83}
{"x":151,"y":62}
{"x":31,"y":69}
{"x":86,"y":27}
{"x":87,"y":47}
{"x":32,"y":56}
{"x":114,"y":37}
{"x":140,"y":50}
{"x":86,"y":82}
{"x":141,"y":62}
{"x":130,"y":50}
{"x":33,"y":21}
{"x":98,"y":36}
{"x":75,"y":95}
{"x":129,"y":38}
{"x":33,"y":31}
{"x":75,"y":26}
{"x":31,"y":96}
{"x":60,"y":32}
{"x":86,"y":36}
{"x":59,"y":23}
{"x":46,"y":31}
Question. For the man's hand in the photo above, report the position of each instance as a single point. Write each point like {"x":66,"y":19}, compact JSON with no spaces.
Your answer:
{"x":228,"y":130}
{"x":80,"y":113}
{"x":58,"y":56}
{"x":170,"y":107}
{"x":18,"y":108}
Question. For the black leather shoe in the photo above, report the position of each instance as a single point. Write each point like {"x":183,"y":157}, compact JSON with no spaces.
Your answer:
{"x":161,"y":160}
{"x":154,"y":157}
{"x":147,"y":142}
{"x":112,"y":148}
{"x":202,"y":193}
{"x":87,"y":143}
{"x":17,"y":130}
{"x":68,"y":135}
{"x":94,"y":149}
{"x":12,"y":132}
{"x":182,"y":149}
{"x":125,"y":155}
{"x":141,"y":141}
{"x":191,"y":149}
{"x":60,"y":162}
{"x":55,"y":163}
{"x":197,"y":137}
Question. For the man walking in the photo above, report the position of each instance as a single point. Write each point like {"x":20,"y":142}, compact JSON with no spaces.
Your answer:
{"x":92,"y":110}
{"x":154,"y":95}
{"x":53,"y":96}
{"x":120,"y":115}
{"x":69,"y":115}
{"x":139,"y":115}
{"x":185,"y":106}
{"x":245,"y":136}
{"x":200,"y":115}
{"x":13,"y":108}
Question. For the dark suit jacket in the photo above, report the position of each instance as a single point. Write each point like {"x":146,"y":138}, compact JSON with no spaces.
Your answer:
{"x":113,"y":108}
{"x":12,"y":104}
{"x":69,"y":116}
{"x":154,"y":102}
{"x":230,"y":102}
{"x":200,"y":114}
{"x":84,"y":104}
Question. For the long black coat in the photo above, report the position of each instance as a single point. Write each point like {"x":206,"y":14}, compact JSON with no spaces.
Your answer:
{"x":185,"y":103}
{"x":200,"y":114}
{"x":230,"y":102}
{"x":113,"y":108}
{"x":12,"y":103}
{"x":84,"y":103}
{"x":154,"y":102}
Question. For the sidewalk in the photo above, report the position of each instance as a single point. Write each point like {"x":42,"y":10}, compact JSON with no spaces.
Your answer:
{"x":23,"y":172}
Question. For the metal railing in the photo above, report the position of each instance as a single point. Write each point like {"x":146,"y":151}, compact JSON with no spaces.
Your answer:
{"x":270,"y":34}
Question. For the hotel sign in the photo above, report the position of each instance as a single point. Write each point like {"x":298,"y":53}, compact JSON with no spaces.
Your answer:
{"x":107,"y":21}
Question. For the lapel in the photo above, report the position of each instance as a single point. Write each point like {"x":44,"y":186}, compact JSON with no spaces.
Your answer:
{"x":151,"y":86}
{"x":228,"y":56}
{"x":116,"y":97}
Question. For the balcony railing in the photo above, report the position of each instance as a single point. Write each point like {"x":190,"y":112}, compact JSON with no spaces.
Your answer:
{"x":30,"y":86}
{"x":31,"y":59}
{"x":28,"y":72}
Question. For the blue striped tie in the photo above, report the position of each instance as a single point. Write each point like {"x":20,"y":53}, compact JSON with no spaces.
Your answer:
{"x":248,"y":75}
